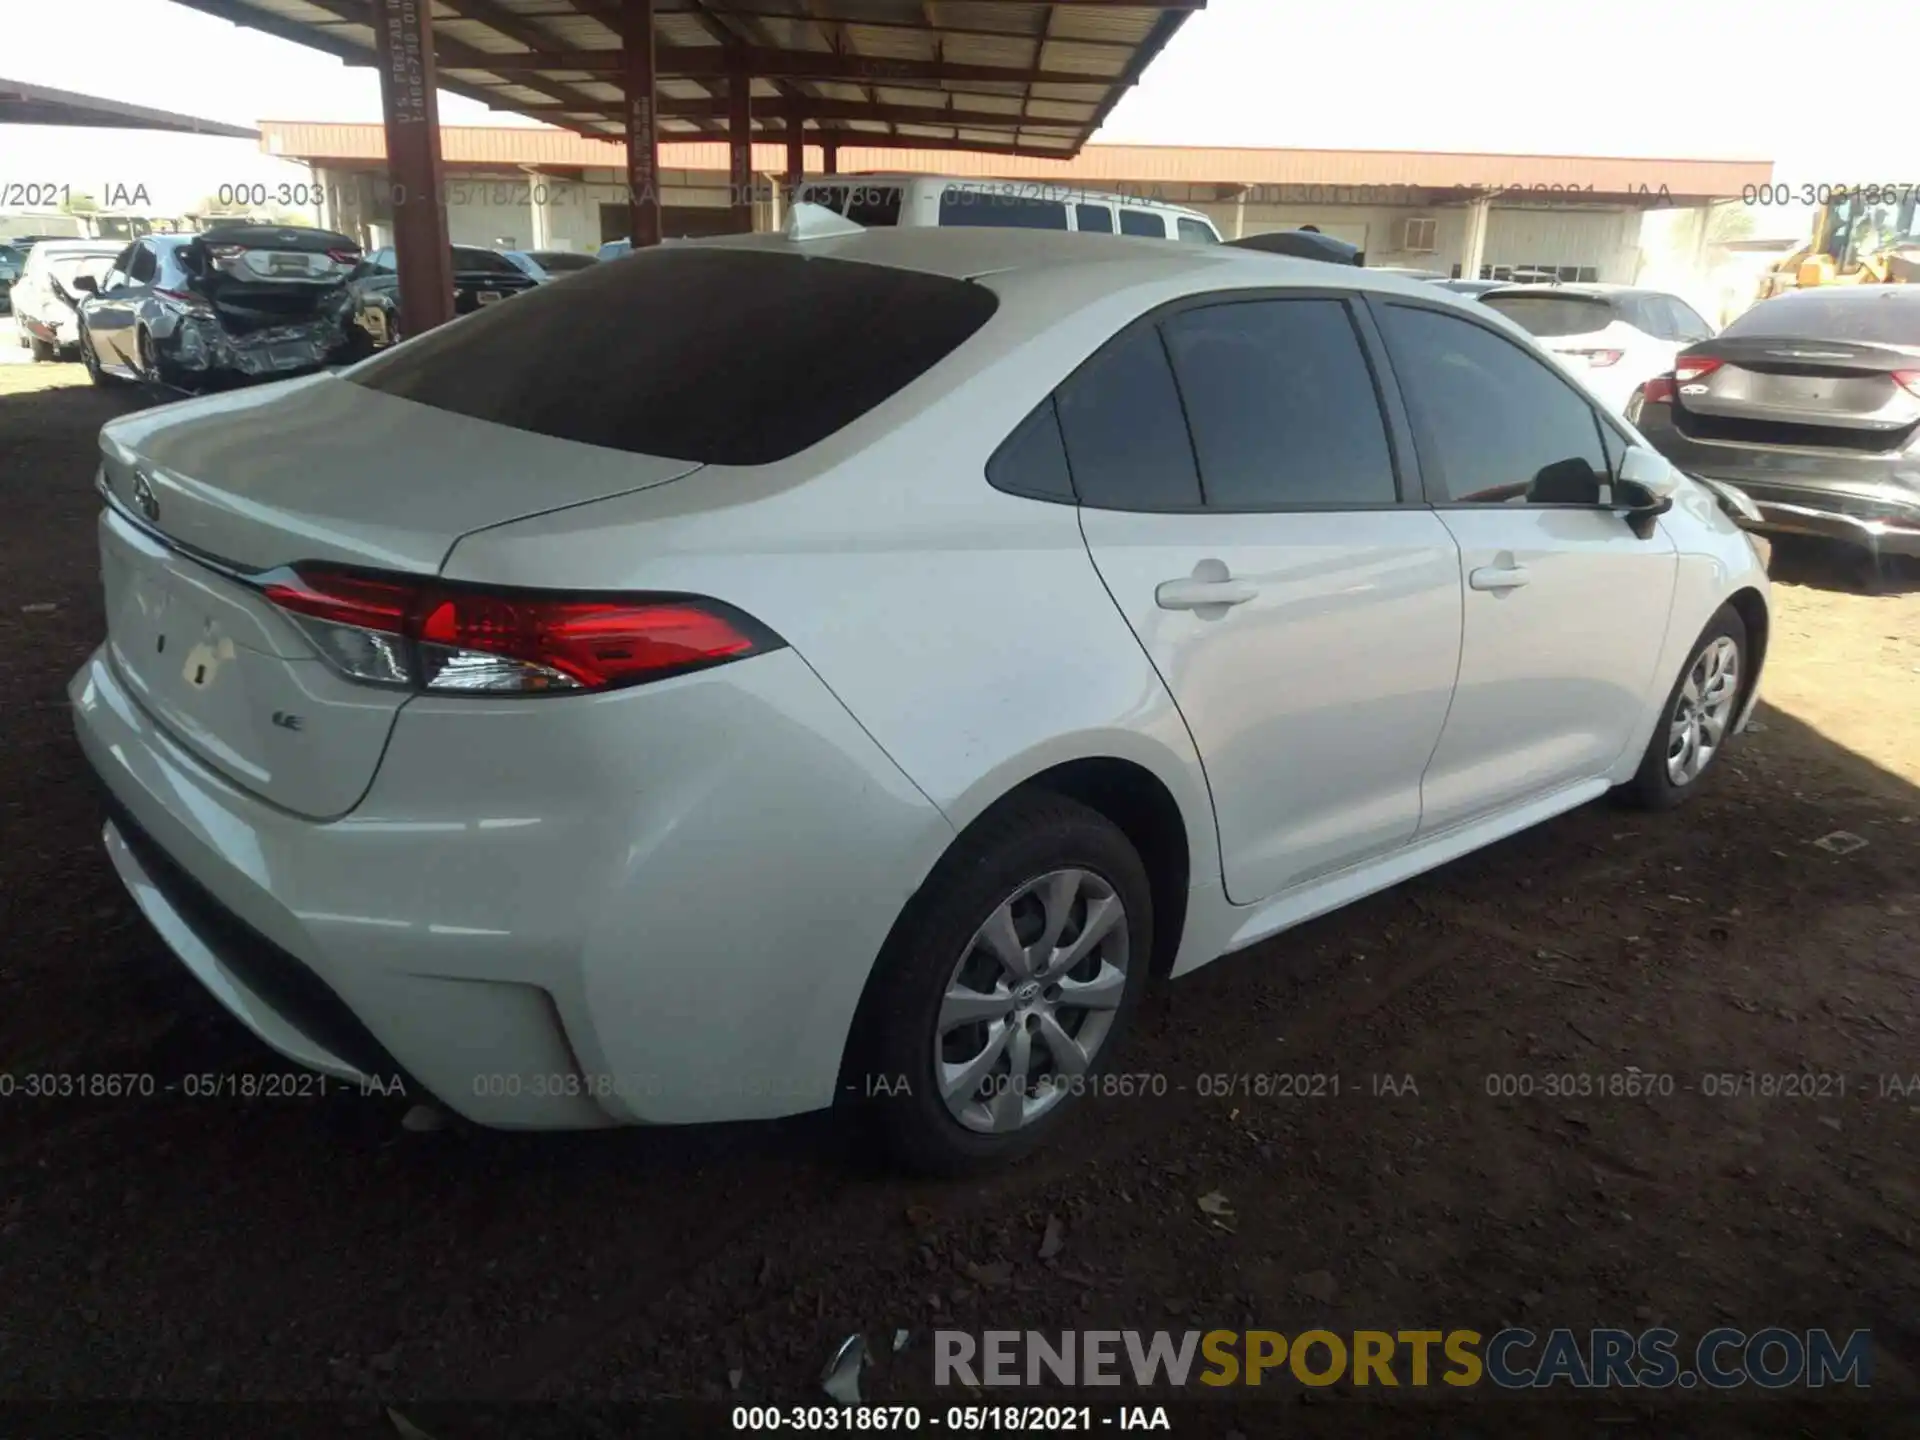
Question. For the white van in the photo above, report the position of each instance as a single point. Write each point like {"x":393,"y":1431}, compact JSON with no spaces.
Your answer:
{"x":937,"y":200}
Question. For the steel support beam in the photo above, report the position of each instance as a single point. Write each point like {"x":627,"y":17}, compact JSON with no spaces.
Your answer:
{"x":831,"y":147}
{"x":403,"y":40}
{"x":796,"y":150}
{"x":740,"y":150}
{"x":643,"y":130}
{"x":715,"y":62}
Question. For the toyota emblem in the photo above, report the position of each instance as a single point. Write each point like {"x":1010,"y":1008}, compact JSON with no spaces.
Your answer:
{"x":144,"y":497}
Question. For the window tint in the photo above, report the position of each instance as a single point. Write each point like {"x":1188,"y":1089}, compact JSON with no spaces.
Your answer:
{"x":144,"y":265}
{"x":1142,"y":222}
{"x":1552,"y":315}
{"x":1281,"y":404}
{"x":1033,"y":461}
{"x":1125,"y":433}
{"x":1498,"y":426}
{"x":1872,"y":315}
{"x":1648,"y":314}
{"x":731,"y":357}
{"x":1197,"y":230}
{"x":834,"y":197}
{"x":992,"y":207}
{"x":1093,"y":218}
{"x":874,"y":205}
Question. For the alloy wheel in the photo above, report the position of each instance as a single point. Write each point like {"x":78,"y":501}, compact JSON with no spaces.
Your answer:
{"x":1703,"y":710}
{"x":1031,"y":1000}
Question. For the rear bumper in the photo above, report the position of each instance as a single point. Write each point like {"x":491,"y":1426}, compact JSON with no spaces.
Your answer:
{"x":1872,"y":501}
{"x":630,"y":922}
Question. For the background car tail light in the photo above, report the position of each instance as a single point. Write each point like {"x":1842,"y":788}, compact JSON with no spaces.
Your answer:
{"x":389,"y":630}
{"x":1694,"y":368}
{"x":1658,"y":390}
{"x":1598,"y":358}
{"x":1909,"y":378}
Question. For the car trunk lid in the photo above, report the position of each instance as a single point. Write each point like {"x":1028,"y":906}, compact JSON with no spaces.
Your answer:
{"x":1823,"y":393}
{"x":209,"y":497}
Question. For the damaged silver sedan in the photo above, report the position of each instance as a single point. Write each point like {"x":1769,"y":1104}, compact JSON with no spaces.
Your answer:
{"x":232,"y":305}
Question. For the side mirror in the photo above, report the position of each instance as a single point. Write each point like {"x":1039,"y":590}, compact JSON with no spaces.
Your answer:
{"x":1648,"y":482}
{"x":86,"y":284}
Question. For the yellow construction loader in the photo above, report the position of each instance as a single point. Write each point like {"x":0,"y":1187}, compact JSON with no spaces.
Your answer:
{"x":1869,"y":236}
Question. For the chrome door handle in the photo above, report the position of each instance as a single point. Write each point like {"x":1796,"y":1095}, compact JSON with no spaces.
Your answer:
{"x":1199,"y":594}
{"x":1498,"y":577}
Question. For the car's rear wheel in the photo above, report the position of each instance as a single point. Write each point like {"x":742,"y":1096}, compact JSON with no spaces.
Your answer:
{"x":1698,"y":718}
{"x":1006,"y":986}
{"x":154,"y":366}
{"x":42,"y":351}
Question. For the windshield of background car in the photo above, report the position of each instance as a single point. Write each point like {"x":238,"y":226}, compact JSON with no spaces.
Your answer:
{"x":727,"y":357}
{"x":1550,"y":315}
{"x":65,"y":267}
{"x":470,"y":258}
{"x":1871,"y":317}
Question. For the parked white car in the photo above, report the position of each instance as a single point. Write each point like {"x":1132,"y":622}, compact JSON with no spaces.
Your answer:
{"x":44,"y":298}
{"x":1614,"y":337}
{"x":769,"y":672}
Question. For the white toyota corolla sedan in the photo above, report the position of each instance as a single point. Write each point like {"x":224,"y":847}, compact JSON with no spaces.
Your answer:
{"x":847,"y":666}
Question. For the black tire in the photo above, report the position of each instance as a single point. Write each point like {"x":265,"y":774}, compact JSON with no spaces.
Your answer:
{"x":1653,"y":786}
{"x":90,"y":359}
{"x":154,"y":367}
{"x":891,"y":1071}
{"x":42,"y":351}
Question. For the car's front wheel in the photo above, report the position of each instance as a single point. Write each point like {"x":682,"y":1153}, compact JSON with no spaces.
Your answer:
{"x":90,"y":358}
{"x":1006,"y":986}
{"x":1699,"y":716}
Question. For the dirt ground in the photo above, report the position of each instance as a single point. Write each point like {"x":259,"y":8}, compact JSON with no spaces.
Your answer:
{"x":307,"y":1250}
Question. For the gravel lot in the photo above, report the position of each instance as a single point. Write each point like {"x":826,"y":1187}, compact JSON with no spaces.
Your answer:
{"x":313,"y":1249}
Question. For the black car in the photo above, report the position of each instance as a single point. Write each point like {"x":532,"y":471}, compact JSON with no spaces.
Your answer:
{"x":236,"y":303}
{"x":1810,"y":403}
{"x":1306,"y":244}
{"x":480,"y":277}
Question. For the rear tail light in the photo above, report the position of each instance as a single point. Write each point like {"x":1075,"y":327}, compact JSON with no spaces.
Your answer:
{"x":1657,"y":391}
{"x":1694,"y":367}
{"x":426,"y":635}
{"x":344,"y":257}
{"x":226,"y":252}
{"x":1910,"y":379}
{"x":1598,"y":358}
{"x":186,"y":298}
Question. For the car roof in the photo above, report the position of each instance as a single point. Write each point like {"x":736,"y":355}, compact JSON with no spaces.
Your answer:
{"x":1581,"y":289}
{"x":1085,"y":263}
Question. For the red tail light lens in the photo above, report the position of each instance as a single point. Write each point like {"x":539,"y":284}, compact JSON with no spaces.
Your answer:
{"x":1658,"y":390}
{"x":1693,"y":368}
{"x":1910,"y":379}
{"x":344,"y":257}
{"x":1598,"y":359}
{"x":425,"y":635}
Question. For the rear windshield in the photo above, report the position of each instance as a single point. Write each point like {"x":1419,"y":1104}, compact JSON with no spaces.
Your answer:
{"x":467,"y":257}
{"x":1872,"y":317}
{"x":1549,"y":315}
{"x":727,"y":357}
{"x":65,"y":267}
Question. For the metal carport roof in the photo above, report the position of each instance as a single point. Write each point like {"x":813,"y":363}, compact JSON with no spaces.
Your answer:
{"x":23,"y":104}
{"x":1001,"y":76}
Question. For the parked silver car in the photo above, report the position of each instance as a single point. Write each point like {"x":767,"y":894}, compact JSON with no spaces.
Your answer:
{"x":232,"y":304}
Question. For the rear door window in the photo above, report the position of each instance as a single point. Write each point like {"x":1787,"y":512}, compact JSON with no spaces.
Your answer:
{"x":144,"y":266}
{"x":1282,"y":405}
{"x":727,"y":357}
{"x":1549,"y":316}
{"x":1125,"y":432}
{"x":1033,"y":461}
{"x":1093,"y":219}
{"x":1197,"y":231}
{"x":476,"y":260}
{"x":1142,"y":222}
{"x":961,"y":206}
